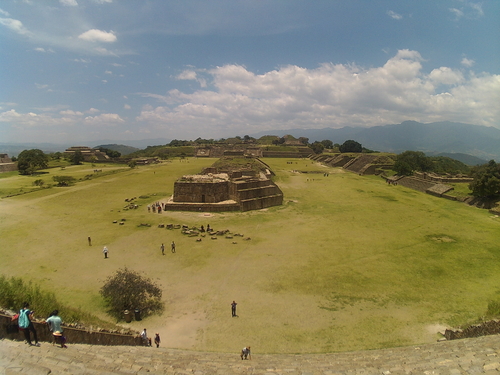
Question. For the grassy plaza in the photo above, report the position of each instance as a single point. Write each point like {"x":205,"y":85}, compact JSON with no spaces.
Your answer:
{"x":347,"y":263}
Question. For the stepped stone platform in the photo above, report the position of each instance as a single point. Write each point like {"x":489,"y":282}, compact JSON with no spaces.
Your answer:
{"x":467,"y":356}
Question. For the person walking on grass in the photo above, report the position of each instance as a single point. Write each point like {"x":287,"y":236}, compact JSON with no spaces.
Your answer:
{"x":157,"y":340}
{"x":162,"y":247}
{"x":105,"y":252}
{"x":26,"y":325}
{"x":173,"y":247}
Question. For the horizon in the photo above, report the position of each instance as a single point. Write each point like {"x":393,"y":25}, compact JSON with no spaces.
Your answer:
{"x":76,"y":70}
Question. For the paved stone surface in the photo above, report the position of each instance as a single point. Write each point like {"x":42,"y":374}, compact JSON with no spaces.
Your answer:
{"x":468,"y":356}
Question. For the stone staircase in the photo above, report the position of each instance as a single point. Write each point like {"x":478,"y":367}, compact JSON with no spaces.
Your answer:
{"x":468,"y":356}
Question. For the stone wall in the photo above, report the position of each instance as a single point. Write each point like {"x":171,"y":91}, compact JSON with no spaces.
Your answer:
{"x":201,"y":192}
{"x":8,"y":167}
{"x":73,"y":335}
{"x":491,"y":327}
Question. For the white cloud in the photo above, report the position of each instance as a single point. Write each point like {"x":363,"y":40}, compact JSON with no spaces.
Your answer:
{"x":108,"y":72}
{"x":105,"y":119}
{"x":43,"y":50}
{"x":69,"y":112}
{"x":40,"y":86}
{"x":394,"y":15}
{"x":457,"y":12}
{"x":467,"y":62}
{"x":193,"y":76}
{"x":126,"y":106}
{"x":93,"y":110}
{"x":69,"y":3}
{"x":331,"y":95}
{"x":15,"y":25}
{"x":3,"y":12}
{"x":102,"y":1}
{"x":95,"y":35}
{"x":446,"y":76}
{"x":477,"y":9}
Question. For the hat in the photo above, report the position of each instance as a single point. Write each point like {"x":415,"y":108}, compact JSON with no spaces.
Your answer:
{"x":57,"y":333}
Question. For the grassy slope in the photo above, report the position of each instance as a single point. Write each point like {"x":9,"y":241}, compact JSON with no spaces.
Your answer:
{"x":347,"y":262}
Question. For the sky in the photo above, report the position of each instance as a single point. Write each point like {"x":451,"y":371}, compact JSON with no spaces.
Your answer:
{"x":74,"y":71}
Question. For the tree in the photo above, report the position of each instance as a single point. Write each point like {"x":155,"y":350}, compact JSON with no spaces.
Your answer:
{"x":128,"y":290}
{"x":327,"y":143}
{"x":351,"y":146}
{"x":486,"y":181}
{"x":317,"y":147}
{"x":29,"y":161}
{"x":76,"y":158}
{"x":410,"y":161}
{"x":304,"y":140}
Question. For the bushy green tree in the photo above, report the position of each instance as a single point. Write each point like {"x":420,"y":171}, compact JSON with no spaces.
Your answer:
{"x":410,"y":161}
{"x":327,"y":143}
{"x":129,"y":290}
{"x":351,"y":146}
{"x":317,"y":147}
{"x":29,"y":161}
{"x":76,"y":158}
{"x":486,"y":181}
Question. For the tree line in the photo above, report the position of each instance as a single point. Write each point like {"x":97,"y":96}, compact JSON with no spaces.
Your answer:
{"x":486,"y":178}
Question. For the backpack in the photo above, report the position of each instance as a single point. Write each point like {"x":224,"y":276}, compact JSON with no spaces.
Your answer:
{"x":23,"y":319}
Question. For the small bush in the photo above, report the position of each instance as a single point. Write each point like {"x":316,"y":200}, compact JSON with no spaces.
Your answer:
{"x":128,"y":290}
{"x":493,"y":309}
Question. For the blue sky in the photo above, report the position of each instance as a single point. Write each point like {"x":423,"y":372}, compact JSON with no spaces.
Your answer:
{"x":81,"y":70}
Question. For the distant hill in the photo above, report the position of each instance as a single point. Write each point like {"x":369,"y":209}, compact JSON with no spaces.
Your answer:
{"x":464,"y":158}
{"x":122,"y":149}
{"x":434,"y":138}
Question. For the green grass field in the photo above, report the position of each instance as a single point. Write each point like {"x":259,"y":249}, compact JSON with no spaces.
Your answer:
{"x":348,"y":262}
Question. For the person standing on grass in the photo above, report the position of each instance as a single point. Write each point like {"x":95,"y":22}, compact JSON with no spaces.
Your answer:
{"x":157,"y":340}
{"x":105,"y":252}
{"x":54,"y":321}
{"x":162,"y":247}
{"x":233,"y":309}
{"x":90,"y":241}
{"x":173,"y":247}
{"x":26,"y":325}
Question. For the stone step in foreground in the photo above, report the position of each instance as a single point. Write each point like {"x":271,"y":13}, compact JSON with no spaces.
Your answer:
{"x":468,"y":356}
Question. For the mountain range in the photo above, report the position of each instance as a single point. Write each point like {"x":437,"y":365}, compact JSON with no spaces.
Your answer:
{"x":437,"y":138}
{"x":433,"y":138}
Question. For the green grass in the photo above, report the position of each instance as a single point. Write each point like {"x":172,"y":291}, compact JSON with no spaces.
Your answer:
{"x":348,"y":262}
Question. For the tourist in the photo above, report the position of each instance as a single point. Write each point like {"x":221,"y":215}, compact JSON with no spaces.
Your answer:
{"x":90,"y":241}
{"x":162,"y":247}
{"x":173,"y":247}
{"x":105,"y":252}
{"x":145,"y":339}
{"x":26,"y":325}
{"x":157,"y":340}
{"x":245,"y":352}
{"x":54,"y":321}
{"x":233,"y":309}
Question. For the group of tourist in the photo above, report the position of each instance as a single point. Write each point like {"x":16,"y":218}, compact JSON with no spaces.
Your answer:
{"x":172,"y":248}
{"x":54,"y":323}
{"x":156,"y":207}
{"x":25,"y":323}
{"x":146,"y":341}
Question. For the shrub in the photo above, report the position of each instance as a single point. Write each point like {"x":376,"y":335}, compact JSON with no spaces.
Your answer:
{"x":128,"y":290}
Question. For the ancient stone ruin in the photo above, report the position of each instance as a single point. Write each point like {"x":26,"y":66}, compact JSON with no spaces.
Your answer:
{"x":215,"y":190}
